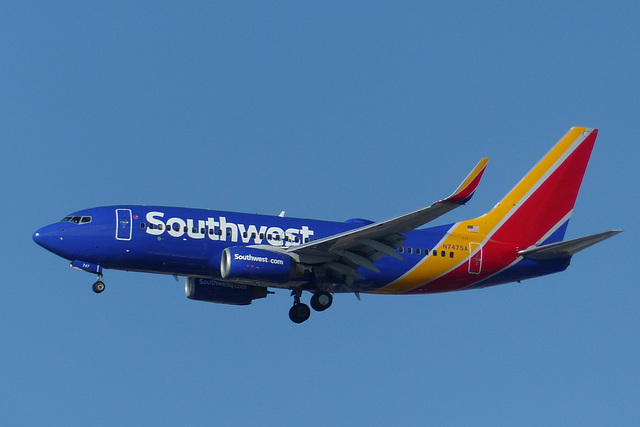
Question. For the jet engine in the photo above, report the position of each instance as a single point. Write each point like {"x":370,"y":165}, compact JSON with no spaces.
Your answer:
{"x":220,"y":292}
{"x":239,"y":262}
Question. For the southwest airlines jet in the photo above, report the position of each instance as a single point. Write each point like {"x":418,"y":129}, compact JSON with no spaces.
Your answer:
{"x":234,"y":258}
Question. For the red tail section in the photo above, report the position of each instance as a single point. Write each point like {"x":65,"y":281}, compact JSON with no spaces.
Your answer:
{"x":535,"y":211}
{"x":539,"y":206}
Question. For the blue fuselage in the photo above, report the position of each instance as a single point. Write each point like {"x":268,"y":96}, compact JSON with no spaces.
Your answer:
{"x":190,"y":242}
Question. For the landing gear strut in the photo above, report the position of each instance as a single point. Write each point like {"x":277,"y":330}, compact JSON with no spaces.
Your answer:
{"x":98,"y":286}
{"x":299,"y":312}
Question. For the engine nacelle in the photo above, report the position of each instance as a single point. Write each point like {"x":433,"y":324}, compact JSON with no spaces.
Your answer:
{"x":220,"y":292}
{"x":239,"y":262}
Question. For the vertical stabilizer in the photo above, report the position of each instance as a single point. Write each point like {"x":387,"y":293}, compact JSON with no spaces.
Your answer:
{"x":538,"y":208}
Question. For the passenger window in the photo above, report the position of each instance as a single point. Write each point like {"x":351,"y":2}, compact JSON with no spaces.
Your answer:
{"x":160,"y":226}
{"x":253,"y":235}
{"x":418,"y":251}
{"x":443,"y":253}
{"x":211,"y":231}
{"x":451,"y":254}
{"x":261,"y":236}
{"x":143,"y":225}
{"x":435,"y":252}
{"x":409,"y":250}
{"x":244,"y":234}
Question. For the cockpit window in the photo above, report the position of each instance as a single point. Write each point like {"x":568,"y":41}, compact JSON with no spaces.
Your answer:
{"x":77,"y":219}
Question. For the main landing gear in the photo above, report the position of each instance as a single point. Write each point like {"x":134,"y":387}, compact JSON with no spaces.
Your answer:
{"x":300,"y":312}
{"x":321,"y":300}
{"x":98,"y":286}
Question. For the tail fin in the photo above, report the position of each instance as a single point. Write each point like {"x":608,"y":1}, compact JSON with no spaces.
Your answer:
{"x":538,"y":208}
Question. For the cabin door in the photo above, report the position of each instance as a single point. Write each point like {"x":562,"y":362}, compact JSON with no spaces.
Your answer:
{"x":123,"y":224}
{"x":475,"y":259}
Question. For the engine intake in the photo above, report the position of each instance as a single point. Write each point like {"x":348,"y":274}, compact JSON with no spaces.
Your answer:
{"x":239,"y":262}
{"x":220,"y":292}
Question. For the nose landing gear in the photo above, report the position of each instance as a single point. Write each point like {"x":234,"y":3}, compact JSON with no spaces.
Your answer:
{"x":90,"y":267}
{"x":98,"y":286}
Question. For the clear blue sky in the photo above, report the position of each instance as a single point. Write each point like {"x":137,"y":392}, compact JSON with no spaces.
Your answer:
{"x":331,"y":111}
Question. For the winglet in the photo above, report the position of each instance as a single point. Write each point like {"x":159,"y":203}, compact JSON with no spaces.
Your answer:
{"x":465,"y":191}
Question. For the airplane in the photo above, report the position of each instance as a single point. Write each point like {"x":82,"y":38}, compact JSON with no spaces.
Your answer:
{"x":235,"y":258}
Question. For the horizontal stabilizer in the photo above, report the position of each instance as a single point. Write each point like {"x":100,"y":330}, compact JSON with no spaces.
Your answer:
{"x":566,"y":248}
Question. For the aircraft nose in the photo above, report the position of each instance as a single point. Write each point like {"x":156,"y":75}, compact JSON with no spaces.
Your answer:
{"x":49,"y":237}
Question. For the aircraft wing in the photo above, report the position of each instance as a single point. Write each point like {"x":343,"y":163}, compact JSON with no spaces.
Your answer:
{"x":344,"y":253}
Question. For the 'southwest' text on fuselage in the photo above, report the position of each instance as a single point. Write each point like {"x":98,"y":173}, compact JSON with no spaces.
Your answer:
{"x":222,"y":230}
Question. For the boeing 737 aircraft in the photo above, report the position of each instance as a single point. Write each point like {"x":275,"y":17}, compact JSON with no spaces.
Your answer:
{"x":234,"y":258}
